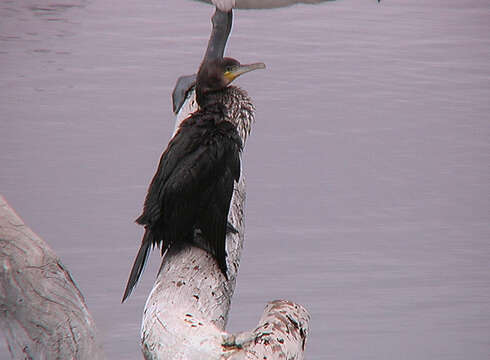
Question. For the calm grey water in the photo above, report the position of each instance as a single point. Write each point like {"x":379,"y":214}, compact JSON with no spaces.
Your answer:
{"x":368,"y":169}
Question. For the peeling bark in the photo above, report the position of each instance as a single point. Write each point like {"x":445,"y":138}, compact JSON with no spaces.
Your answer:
{"x":281,"y":334}
{"x":42,"y":312}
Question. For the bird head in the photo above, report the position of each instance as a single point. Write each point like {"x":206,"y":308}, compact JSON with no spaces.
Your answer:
{"x":218,"y":73}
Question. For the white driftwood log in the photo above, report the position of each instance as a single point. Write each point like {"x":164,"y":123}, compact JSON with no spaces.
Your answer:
{"x":281,"y":334}
{"x":190,"y":292}
{"x":42,"y":312}
{"x":187,"y":309}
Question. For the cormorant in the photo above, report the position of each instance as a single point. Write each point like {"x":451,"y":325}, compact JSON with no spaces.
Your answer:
{"x":192,"y":188}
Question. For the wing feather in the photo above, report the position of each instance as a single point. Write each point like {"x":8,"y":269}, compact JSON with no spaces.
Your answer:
{"x":195,"y":176}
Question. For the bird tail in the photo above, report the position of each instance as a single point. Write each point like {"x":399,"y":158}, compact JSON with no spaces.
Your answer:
{"x":139,"y":264}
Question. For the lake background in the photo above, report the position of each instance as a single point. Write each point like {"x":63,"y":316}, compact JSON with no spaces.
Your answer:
{"x":368,"y":170}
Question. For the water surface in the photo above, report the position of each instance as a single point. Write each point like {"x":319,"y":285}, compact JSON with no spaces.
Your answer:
{"x":368,"y":168}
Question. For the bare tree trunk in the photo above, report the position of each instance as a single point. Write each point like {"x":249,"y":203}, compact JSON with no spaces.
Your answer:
{"x":42,"y":312}
{"x":44,"y":316}
{"x":187,"y":310}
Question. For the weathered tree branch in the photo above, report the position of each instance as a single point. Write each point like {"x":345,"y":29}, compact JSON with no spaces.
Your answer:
{"x":44,"y":316}
{"x":42,"y":312}
{"x":222,"y":22}
{"x":187,"y":310}
{"x":281,"y":334}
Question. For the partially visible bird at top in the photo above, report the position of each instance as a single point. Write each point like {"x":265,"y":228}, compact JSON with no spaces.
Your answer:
{"x":193,"y":186}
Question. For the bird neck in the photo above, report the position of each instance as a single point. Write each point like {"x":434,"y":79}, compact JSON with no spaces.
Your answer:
{"x":237,"y":107}
{"x":206,"y":97}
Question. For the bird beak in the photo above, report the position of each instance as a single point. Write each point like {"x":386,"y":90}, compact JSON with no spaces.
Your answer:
{"x":242,"y":69}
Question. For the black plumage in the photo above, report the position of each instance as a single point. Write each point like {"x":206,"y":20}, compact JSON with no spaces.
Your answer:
{"x":193,"y":185}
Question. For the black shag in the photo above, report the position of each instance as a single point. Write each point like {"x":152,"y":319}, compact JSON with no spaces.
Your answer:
{"x":192,"y":188}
